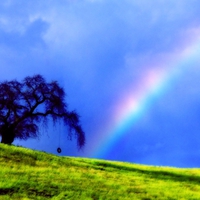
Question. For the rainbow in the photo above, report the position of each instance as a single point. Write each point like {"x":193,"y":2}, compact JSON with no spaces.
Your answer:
{"x":155,"y":82}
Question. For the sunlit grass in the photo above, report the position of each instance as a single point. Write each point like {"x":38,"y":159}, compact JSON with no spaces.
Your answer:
{"x":27,"y":174}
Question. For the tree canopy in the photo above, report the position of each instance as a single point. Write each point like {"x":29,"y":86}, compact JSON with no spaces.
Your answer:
{"x":23,"y":105}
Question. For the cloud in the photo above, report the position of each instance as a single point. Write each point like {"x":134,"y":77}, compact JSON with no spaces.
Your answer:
{"x":101,"y":49}
{"x":21,"y":51}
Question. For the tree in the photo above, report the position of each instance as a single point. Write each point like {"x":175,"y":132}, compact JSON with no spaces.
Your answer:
{"x":23,"y":105}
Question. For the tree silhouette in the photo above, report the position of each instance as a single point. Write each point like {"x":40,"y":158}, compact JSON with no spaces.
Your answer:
{"x":23,"y":105}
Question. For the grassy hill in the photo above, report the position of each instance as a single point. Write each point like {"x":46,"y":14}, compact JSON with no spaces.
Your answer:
{"x":27,"y":174}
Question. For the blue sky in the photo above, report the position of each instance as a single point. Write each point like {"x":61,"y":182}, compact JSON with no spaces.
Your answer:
{"x":101,"y":52}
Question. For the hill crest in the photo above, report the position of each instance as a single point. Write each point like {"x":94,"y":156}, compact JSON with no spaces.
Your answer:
{"x":29,"y":174}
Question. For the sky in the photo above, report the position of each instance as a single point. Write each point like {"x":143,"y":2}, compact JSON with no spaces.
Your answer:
{"x":130,"y":69}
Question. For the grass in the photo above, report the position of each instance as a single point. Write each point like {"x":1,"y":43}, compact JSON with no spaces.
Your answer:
{"x":27,"y":174}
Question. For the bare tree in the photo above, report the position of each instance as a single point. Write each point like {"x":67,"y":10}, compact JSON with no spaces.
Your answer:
{"x":23,"y":105}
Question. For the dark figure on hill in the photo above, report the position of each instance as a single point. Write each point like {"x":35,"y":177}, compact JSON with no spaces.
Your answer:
{"x":23,"y":105}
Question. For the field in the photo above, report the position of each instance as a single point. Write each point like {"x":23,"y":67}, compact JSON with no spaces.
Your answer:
{"x":27,"y":174}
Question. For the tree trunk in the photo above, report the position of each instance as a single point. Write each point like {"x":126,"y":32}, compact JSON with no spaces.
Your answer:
{"x":7,"y":135}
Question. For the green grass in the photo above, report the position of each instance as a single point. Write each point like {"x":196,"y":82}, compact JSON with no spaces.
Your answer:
{"x":27,"y":174}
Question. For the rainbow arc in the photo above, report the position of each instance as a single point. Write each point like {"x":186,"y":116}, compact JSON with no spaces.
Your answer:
{"x":155,"y":82}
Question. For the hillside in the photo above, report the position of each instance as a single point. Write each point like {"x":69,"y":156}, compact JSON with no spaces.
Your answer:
{"x":27,"y":174}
